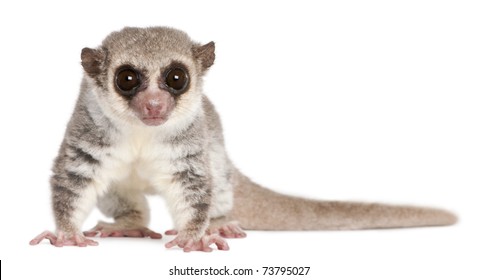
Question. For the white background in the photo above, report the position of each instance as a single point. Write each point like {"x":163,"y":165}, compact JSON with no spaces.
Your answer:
{"x":346,"y":100}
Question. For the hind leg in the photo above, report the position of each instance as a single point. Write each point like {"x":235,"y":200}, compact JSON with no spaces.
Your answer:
{"x":226,"y":229}
{"x":131,"y":214}
{"x":222,"y":227}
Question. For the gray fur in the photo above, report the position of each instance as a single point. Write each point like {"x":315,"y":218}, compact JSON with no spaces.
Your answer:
{"x":110,"y":158}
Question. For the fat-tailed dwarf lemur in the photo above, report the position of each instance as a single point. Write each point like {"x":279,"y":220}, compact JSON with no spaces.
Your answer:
{"x":142,"y":125}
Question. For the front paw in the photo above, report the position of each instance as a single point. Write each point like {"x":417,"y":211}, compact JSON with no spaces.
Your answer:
{"x":189,"y":244}
{"x":61,"y":239}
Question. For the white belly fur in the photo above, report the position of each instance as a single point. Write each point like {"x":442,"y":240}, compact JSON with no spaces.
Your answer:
{"x":142,"y":162}
{"x":138,"y":162}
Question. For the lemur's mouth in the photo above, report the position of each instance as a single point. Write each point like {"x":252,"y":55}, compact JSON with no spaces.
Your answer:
{"x":153,"y":121}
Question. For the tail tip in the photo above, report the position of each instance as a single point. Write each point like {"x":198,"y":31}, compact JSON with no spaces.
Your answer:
{"x":446,"y":218}
{"x":452,"y":218}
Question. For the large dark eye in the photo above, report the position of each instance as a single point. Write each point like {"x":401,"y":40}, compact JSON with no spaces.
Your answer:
{"x":127,"y":80}
{"x":177,"y":80}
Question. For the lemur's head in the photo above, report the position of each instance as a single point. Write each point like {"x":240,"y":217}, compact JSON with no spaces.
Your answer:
{"x":148,"y":75}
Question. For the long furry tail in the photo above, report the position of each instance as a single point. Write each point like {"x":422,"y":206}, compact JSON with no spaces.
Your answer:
{"x":258,"y":208}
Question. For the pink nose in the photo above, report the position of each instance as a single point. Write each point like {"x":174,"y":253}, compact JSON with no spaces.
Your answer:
{"x":153,"y":108}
